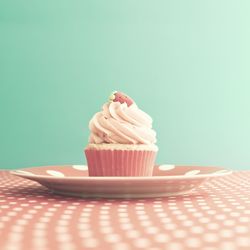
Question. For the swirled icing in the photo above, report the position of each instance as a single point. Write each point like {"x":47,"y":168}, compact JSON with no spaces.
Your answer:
{"x":123,"y":124}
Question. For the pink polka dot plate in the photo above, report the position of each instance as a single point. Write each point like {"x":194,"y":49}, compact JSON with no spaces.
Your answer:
{"x":167,"y":180}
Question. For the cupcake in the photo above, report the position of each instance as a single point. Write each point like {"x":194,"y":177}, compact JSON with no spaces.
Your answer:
{"x":122,"y":141}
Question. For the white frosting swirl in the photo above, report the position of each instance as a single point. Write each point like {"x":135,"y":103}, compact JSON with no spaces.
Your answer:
{"x":118,"y":123}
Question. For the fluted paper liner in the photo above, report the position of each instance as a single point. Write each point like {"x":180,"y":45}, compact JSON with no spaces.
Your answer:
{"x":120,"y":162}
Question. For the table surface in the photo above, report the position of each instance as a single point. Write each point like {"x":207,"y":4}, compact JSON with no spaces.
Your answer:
{"x":214,"y":216}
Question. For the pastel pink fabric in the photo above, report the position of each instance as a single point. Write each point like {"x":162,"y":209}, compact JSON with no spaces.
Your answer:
{"x":214,"y":216}
{"x":118,"y":123}
{"x":120,"y":162}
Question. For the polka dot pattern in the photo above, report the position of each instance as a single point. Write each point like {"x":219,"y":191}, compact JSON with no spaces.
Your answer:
{"x":215,"y":215}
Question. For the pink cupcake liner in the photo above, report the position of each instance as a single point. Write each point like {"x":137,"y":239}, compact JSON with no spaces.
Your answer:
{"x":120,"y":162}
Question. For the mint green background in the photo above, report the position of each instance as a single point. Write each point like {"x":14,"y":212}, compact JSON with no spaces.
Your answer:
{"x":186,"y":63}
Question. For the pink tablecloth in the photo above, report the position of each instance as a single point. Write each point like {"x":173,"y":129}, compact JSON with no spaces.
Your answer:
{"x":215,"y":216}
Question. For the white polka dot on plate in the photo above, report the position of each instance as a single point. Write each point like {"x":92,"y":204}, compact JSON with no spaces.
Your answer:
{"x":23,"y":172}
{"x":55,"y":173}
{"x":192,"y":172}
{"x":222,"y":171}
{"x":80,"y":167}
{"x":166,"y":167}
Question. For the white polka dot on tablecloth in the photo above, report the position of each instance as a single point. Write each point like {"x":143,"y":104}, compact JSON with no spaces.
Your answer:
{"x":187,"y":223}
{"x":64,"y":237}
{"x":112,"y":238}
{"x":175,"y":246}
{"x":106,"y":212}
{"x":193,"y":242}
{"x":146,"y":223}
{"x":204,"y":220}
{"x":132,"y":234}
{"x":127,"y":226}
{"x":123,"y":214}
{"x":121,"y":246}
{"x":226,"y":233}
{"x":211,"y":212}
{"x":143,"y":217}
{"x":85,"y":234}
{"x":151,"y":230}
{"x":242,"y":229}
{"x":142,"y":243}
{"x":170,"y":226}
{"x":161,"y":238}
{"x":244,"y":219}
{"x":140,"y":212}
{"x":83,"y":226}
{"x":124,"y":220}
{"x":104,"y":223}
{"x":197,"y":230}
{"x":15,"y":237}
{"x":90,"y":243}
{"x":179,"y":233}
{"x":61,"y":230}
{"x":177,"y":213}
{"x":161,"y":215}
{"x":63,"y":222}
{"x":210,"y":237}
{"x":243,"y":241}
{"x":106,"y":230}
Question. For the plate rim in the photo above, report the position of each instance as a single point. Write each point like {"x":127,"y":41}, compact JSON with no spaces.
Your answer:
{"x":118,"y":178}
